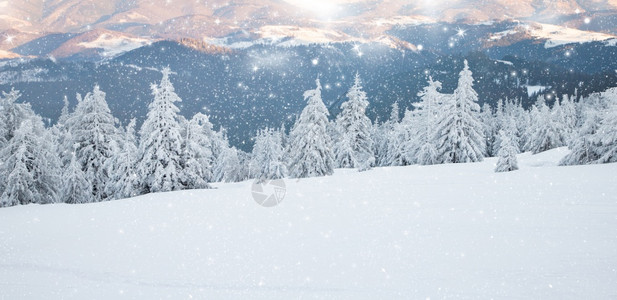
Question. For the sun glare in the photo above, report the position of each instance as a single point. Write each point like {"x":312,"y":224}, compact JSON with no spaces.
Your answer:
{"x":323,"y":9}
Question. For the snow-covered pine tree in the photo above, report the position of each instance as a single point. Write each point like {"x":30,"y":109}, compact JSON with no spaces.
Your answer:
{"x":12,"y":114}
{"x":546,"y":129}
{"x":19,"y":180}
{"x":227,"y":168}
{"x":220,"y":142}
{"x":354,"y":147}
{"x":29,"y":170}
{"x":344,"y":156}
{"x":401,"y":141}
{"x":384,"y":134}
{"x":460,"y":136}
{"x":283,"y":133}
{"x":93,"y":129}
{"x":124,"y":182}
{"x":335,"y":134}
{"x":492,"y":123}
{"x":607,"y":133}
{"x":244,"y":159}
{"x":75,"y":187}
{"x":48,"y":175}
{"x":489,"y":124}
{"x":66,"y":143}
{"x":159,"y":163}
{"x":408,"y":138}
{"x":60,"y":134}
{"x":267,"y":160}
{"x":430,"y":99}
{"x":310,"y":147}
{"x":3,"y":130}
{"x":64,"y":113}
{"x":197,"y":152}
{"x":568,"y":110}
{"x":584,"y":148}
{"x":44,"y":166}
{"x":378,"y":140}
{"x":522,"y":119}
{"x":559,"y":120}
{"x":507,"y":153}
{"x":220,"y":145}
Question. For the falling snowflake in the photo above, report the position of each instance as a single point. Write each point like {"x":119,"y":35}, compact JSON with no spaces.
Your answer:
{"x":460,"y":32}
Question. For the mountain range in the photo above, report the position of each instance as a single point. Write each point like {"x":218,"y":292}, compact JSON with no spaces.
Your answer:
{"x":63,"y":28}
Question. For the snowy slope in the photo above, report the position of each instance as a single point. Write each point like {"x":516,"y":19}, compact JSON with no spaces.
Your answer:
{"x":7,"y":54}
{"x":554,"y":35}
{"x":448,"y":231}
{"x":114,"y":45}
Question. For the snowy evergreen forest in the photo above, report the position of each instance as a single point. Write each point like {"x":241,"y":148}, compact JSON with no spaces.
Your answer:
{"x":88,"y":156}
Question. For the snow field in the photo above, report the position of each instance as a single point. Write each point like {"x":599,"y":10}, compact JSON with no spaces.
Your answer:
{"x":417,"y":232}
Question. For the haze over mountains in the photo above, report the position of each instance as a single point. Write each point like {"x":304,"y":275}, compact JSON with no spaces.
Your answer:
{"x":64,"y":27}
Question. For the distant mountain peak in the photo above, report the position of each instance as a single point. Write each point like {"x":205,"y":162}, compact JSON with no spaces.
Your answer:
{"x":107,"y":28}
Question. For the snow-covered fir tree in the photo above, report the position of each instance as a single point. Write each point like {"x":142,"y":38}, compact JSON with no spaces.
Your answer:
{"x":460,"y":135}
{"x":546,"y":130}
{"x":3,"y":129}
{"x":515,"y":111}
{"x":490,"y":125}
{"x":354,"y":146}
{"x":159,"y":162}
{"x":29,"y":171}
{"x":283,"y":133}
{"x":401,"y":141}
{"x":220,"y":145}
{"x":64,"y":113}
{"x":93,"y":131}
{"x":75,"y":187}
{"x":408,"y":137}
{"x":18,"y":181}
{"x":124,"y":181}
{"x":344,"y":156}
{"x":569,"y":113}
{"x":62,"y":131}
{"x":335,"y":134}
{"x":227,"y":167}
{"x":499,"y":120}
{"x":61,"y":135}
{"x":384,"y":135}
{"x":310,"y":148}
{"x":48,"y":175}
{"x":585,"y":145}
{"x":430,"y":100}
{"x":607,"y":132}
{"x":39,"y":148}
{"x":197,"y":152}
{"x":378,"y":140}
{"x":507,"y":153}
{"x":559,"y":119}
{"x":12,"y":114}
{"x":244,"y":171}
{"x":267,"y":159}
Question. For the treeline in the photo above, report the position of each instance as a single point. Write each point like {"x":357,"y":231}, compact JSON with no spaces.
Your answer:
{"x":88,"y":157}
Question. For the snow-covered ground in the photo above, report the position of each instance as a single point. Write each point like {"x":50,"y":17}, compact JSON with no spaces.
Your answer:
{"x":447,"y":231}
{"x":556,"y":35}
{"x":115,"y":45}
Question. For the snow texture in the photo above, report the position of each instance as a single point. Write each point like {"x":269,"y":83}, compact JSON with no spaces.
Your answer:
{"x":417,"y":232}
